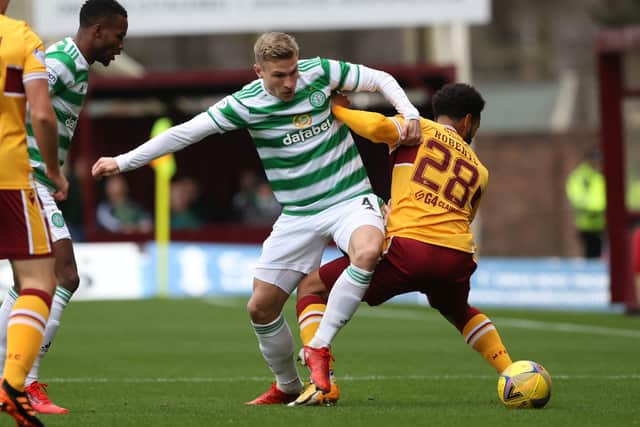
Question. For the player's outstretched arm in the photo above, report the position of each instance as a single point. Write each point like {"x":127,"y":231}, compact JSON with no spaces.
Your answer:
{"x":169,"y":141}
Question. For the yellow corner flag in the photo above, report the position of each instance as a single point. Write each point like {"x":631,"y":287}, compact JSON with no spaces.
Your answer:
{"x":166,"y":165}
{"x":164,"y":168}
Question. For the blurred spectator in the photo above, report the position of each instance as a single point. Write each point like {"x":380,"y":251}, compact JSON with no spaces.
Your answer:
{"x":268,"y":208}
{"x":633,"y":193}
{"x":587,"y":194}
{"x":184,"y":194}
{"x":255,"y":203}
{"x":118,"y":213}
{"x":633,"y":202}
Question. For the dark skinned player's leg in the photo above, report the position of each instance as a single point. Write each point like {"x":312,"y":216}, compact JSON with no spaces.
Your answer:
{"x":450,"y":298}
{"x":310,"y":307}
{"x":68,"y":281}
{"x":408,"y":267}
{"x":312,"y":293}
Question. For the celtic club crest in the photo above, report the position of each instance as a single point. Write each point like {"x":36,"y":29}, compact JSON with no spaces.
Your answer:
{"x":317,"y":98}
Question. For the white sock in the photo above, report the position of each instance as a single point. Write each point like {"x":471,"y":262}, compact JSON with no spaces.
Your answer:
{"x":276,"y":344}
{"x":344,"y":299}
{"x":59,"y":302}
{"x":5,"y":313}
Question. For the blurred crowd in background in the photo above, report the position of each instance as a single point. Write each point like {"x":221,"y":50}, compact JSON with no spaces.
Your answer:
{"x":534,"y":62}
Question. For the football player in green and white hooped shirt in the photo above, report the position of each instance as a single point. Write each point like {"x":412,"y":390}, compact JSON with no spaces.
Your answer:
{"x":100,"y":37}
{"x":317,"y":175}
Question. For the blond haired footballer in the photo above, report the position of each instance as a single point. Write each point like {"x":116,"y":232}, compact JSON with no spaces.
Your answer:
{"x":317,"y":175}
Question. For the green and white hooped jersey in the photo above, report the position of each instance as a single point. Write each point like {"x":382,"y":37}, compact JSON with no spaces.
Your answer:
{"x":68,"y":81}
{"x":309,"y":157}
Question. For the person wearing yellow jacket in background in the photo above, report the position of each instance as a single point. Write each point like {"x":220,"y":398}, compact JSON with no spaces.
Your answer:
{"x":587,"y":194}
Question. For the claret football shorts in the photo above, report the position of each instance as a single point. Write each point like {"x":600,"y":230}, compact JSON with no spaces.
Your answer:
{"x":409,"y":265}
{"x":23,"y":230}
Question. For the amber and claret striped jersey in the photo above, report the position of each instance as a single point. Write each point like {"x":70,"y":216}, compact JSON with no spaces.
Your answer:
{"x":435,"y":186}
{"x":21,"y":60}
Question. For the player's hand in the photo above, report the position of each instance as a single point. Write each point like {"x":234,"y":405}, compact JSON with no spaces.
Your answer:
{"x":105,"y":166}
{"x":386,"y":210}
{"x":340,"y":99}
{"x":60,"y":182}
{"x":411,"y":133}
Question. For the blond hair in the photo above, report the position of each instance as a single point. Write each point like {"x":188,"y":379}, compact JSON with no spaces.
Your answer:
{"x":273,"y":46}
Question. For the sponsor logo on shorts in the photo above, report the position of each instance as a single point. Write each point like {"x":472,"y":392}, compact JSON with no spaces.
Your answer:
{"x":317,"y":98}
{"x":57,"y":219}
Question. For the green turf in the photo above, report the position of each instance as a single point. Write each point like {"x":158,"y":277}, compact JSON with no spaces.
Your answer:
{"x":193,"y":363}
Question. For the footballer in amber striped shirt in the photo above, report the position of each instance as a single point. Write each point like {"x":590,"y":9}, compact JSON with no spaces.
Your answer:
{"x":436,"y":188}
{"x":25,"y":240}
{"x":100,"y":37}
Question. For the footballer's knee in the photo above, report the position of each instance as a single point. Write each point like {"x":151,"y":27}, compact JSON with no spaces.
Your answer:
{"x":65,"y":266}
{"x":262,"y":312}
{"x":365,"y":247}
{"x":366,"y":257}
{"x":266,"y":302}
{"x":68,"y":278}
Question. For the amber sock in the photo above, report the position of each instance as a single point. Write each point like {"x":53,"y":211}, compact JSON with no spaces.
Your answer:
{"x":481,"y":334}
{"x":24,"y":334}
{"x":310,"y":310}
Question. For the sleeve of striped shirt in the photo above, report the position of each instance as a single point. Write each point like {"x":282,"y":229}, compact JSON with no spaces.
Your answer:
{"x":345,"y":76}
{"x":169,"y":141}
{"x":380,"y":81}
{"x":342,"y":75}
{"x":34,"y":67}
{"x":60,"y":76}
{"x":229,"y":114}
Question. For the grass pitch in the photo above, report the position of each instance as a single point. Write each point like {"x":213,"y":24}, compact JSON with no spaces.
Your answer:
{"x":194,"y":363}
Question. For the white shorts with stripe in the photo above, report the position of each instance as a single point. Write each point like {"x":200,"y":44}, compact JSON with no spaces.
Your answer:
{"x":53,"y":214}
{"x":296,"y":243}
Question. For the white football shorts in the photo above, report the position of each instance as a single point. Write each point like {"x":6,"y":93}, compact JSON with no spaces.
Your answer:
{"x":55,"y":220}
{"x":297,"y":243}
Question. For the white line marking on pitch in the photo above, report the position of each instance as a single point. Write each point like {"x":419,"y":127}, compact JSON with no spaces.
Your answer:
{"x":383,"y":313}
{"x":342,"y":378}
{"x":569,"y":327}
{"x":509,"y":322}
{"x":223,"y":302}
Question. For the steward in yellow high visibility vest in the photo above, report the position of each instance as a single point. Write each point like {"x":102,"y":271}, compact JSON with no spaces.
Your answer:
{"x":587,"y":194}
